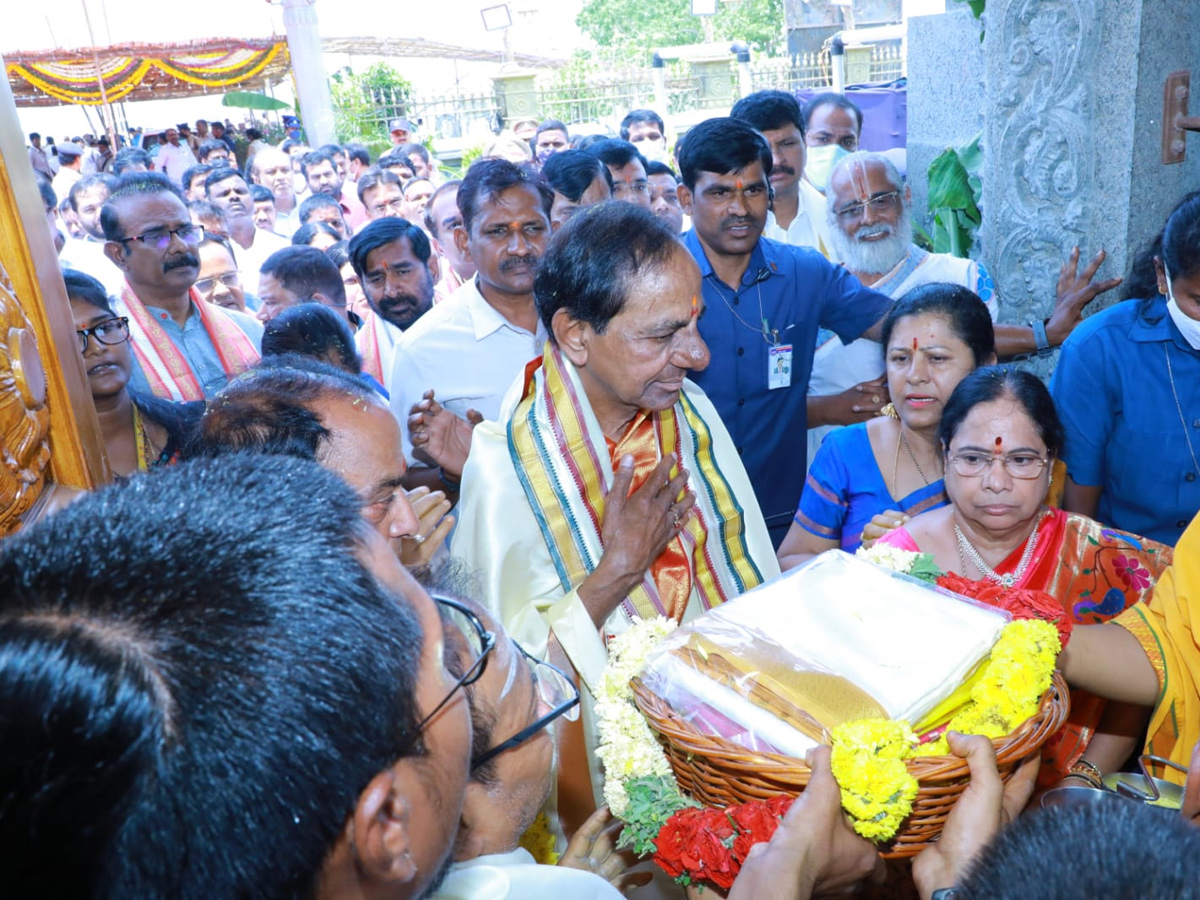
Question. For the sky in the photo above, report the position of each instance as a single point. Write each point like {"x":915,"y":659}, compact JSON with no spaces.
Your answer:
{"x":542,"y":26}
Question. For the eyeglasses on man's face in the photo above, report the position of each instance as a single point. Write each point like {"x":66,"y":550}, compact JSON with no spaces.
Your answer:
{"x":882,"y":203}
{"x":108,"y":332}
{"x":160,"y":238}
{"x":229,"y":279}
{"x":473,"y":644}
{"x":557,"y":694}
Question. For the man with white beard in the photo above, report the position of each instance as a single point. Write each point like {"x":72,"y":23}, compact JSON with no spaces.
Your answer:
{"x":870,"y":223}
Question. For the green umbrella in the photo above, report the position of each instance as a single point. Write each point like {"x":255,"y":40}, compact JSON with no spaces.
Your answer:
{"x":252,"y":100}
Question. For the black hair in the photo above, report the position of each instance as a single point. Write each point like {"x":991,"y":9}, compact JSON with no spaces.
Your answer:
{"x":996,"y":382}
{"x":572,"y":172}
{"x":208,"y":147}
{"x":306,"y":271}
{"x":654,"y":167}
{"x":419,"y":149}
{"x":1181,"y":238}
{"x":637,"y":116}
{"x":314,"y":158}
{"x":89,"y":183}
{"x":268,"y":409}
{"x":333,"y":151}
{"x":768,"y":110}
{"x":721,"y":146}
{"x":193,"y":171}
{"x":373,"y":178}
{"x":303,"y":236}
{"x":840,"y":101}
{"x":963,"y":310}
{"x":357,"y":152}
{"x":253,"y":134}
{"x":394,"y":158}
{"x":1146,"y":852}
{"x":49,"y":198}
{"x":220,"y":174}
{"x":134,"y":184}
{"x":591,"y":260}
{"x":260,"y":194}
{"x":83,"y":287}
{"x":202,"y":209}
{"x":312,"y":329}
{"x":339,"y":253}
{"x":616,"y":153}
{"x":490,"y":176}
{"x":552,"y":125}
{"x":434,"y":228}
{"x":384,"y":231}
{"x":34,"y":136}
{"x":234,"y":688}
{"x":319,"y":200}
{"x":129,"y":157}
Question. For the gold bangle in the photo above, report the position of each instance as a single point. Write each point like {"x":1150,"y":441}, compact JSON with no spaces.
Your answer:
{"x":1087,"y":772}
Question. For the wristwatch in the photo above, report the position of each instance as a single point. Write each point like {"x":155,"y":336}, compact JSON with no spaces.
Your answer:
{"x":1040,"y":338}
{"x":944,"y":894}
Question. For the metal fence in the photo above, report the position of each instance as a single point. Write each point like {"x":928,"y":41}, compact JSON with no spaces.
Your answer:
{"x":582,"y":96}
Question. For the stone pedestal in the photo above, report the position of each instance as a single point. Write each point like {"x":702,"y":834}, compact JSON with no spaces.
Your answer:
{"x":716,"y":77}
{"x":517,"y":94}
{"x":946,"y":95}
{"x":1073,"y":138}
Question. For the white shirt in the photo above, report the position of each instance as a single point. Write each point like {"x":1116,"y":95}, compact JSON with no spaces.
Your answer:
{"x":466,"y":352}
{"x":173,"y":161}
{"x":64,"y":181}
{"x":515,"y":876}
{"x":250,"y":259}
{"x":810,"y":228}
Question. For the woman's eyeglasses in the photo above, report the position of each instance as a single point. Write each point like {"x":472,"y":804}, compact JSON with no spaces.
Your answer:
{"x":1018,"y":465}
{"x":108,"y":332}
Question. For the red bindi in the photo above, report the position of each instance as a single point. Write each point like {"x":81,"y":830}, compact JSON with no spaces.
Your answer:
{"x":695,"y":305}
{"x":999,"y":444}
{"x":914,"y":343}
{"x":738,"y":182}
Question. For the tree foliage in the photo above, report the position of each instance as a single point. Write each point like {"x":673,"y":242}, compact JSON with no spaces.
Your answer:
{"x":639,"y":26}
{"x":359,"y":115}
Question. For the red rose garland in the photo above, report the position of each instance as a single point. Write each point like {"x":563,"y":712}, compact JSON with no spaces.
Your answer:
{"x":711,"y":844}
{"x":1021,"y":603}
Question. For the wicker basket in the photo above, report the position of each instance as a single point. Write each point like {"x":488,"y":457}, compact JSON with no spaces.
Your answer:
{"x":718,"y":772}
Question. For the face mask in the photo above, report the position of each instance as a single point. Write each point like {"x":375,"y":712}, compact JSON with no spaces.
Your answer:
{"x":1188,"y":326}
{"x":653,"y":151}
{"x":820,"y":161}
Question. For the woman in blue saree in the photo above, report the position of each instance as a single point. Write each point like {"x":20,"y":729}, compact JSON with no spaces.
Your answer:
{"x":874,"y":476}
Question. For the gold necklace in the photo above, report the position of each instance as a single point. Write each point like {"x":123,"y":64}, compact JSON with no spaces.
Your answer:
{"x":896,"y":462}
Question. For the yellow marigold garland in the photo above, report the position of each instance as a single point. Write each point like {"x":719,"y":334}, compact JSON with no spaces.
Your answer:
{"x":540,"y":841}
{"x":868,"y":762}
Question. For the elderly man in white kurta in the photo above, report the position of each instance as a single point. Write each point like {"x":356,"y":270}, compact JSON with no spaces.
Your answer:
{"x":609,"y":490}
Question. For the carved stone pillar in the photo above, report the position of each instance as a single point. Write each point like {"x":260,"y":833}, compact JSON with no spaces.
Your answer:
{"x":1073,"y":138}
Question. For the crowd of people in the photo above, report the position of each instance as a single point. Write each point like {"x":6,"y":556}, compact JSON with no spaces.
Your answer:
{"x":595,"y":379}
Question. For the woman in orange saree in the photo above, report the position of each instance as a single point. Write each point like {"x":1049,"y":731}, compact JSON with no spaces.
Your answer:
{"x":1001,"y":436}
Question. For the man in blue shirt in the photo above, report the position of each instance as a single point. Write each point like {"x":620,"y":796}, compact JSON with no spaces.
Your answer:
{"x":764,"y":303}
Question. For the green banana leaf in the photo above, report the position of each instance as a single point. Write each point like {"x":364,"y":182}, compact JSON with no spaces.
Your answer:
{"x":954,"y":185}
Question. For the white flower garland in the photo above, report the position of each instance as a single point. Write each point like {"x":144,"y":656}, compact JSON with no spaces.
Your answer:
{"x":628,"y":748}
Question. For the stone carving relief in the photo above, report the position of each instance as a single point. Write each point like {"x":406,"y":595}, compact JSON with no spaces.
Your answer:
{"x":1040,"y":145}
{"x":24,"y":413}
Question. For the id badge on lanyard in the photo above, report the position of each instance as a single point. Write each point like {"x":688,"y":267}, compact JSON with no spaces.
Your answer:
{"x":779,"y":366}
